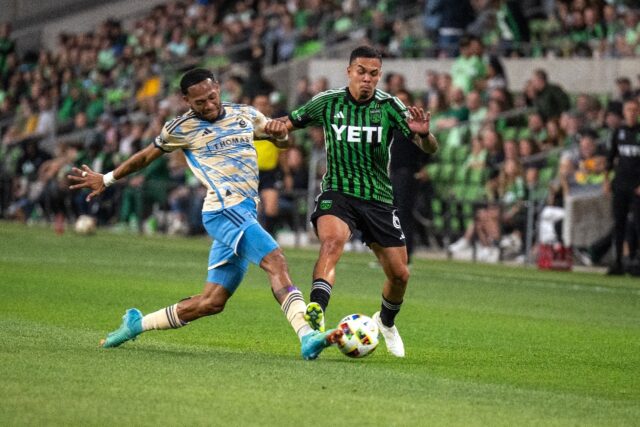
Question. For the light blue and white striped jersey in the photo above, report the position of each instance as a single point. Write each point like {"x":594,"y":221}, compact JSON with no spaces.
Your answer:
{"x":221,"y":154}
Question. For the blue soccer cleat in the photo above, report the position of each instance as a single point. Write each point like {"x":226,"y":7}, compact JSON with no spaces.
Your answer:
{"x":130,"y":328}
{"x":314,"y":315}
{"x":314,"y":342}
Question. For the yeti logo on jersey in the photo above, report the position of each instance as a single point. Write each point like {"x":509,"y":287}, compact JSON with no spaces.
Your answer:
{"x":358,"y":133}
{"x":325,"y":204}
{"x":242,"y":123}
{"x":376,"y":116}
{"x":396,"y":223}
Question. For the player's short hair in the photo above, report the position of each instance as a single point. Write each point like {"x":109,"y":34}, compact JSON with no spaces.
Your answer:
{"x":364,"y":52}
{"x":193,"y":77}
{"x":542,"y":74}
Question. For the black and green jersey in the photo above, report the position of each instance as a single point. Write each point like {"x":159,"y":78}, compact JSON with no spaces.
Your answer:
{"x":358,"y":137}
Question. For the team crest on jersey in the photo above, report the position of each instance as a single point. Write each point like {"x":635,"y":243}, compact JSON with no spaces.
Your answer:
{"x":376,"y":116}
{"x":242,"y":123}
{"x":325,"y":204}
{"x":396,"y":223}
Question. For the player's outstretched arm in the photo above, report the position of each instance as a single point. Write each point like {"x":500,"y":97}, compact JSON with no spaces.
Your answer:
{"x":97,"y":182}
{"x":419,"y":123}
{"x":278,"y":133}
{"x":287,"y":123}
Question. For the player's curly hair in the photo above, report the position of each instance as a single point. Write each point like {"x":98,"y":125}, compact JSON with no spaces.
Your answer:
{"x":193,"y":77}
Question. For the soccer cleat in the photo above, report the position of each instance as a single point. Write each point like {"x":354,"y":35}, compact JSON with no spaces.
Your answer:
{"x":314,"y":316}
{"x":391,"y":337}
{"x":314,"y":342}
{"x":130,"y":328}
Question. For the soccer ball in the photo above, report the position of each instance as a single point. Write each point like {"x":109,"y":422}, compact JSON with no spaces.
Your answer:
{"x":85,"y":225}
{"x":360,"y":336}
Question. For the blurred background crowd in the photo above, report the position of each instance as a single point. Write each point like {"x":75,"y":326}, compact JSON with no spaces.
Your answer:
{"x":507,"y":153}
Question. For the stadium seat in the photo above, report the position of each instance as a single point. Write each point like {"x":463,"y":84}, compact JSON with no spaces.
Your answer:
{"x":460,"y":175}
{"x":433,"y":169}
{"x":436,"y":207}
{"x":473,"y":193}
{"x":446,"y":173}
{"x":461,"y":153}
{"x":458,"y":191}
{"x":447,"y":154}
{"x":467,"y":209}
{"x":476,"y":176}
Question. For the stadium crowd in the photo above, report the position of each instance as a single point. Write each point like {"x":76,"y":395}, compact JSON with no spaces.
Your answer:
{"x":101,"y":96}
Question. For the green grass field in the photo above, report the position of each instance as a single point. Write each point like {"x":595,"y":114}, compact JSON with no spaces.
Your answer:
{"x":486,"y":345}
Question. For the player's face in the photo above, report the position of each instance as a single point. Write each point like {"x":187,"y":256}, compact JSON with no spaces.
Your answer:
{"x":630,"y":111}
{"x":364,"y":74}
{"x":204,"y":99}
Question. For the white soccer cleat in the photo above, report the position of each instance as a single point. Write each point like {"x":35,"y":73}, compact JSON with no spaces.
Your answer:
{"x":459,"y":245}
{"x":391,"y":337}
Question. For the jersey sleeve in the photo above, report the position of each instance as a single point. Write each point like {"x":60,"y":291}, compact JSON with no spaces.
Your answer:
{"x":399,"y":116}
{"x":259,"y":120}
{"x":172,"y":137}
{"x":310,"y":113}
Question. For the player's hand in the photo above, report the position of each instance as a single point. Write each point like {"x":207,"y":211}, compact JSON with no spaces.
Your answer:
{"x":276,"y":129}
{"x":86,"y":178}
{"x":637,"y":190}
{"x":420,"y":121}
{"x":606,"y":187}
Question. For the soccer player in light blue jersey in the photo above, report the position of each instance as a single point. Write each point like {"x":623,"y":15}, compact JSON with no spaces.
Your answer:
{"x":217,"y":141}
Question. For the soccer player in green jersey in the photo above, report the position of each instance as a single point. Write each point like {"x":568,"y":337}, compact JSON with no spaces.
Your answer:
{"x":358,"y":123}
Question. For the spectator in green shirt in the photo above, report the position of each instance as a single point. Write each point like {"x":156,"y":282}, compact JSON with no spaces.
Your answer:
{"x":469,"y":66}
{"x":549,"y":99}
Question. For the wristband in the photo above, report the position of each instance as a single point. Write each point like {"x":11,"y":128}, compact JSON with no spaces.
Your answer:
{"x":108,"y":179}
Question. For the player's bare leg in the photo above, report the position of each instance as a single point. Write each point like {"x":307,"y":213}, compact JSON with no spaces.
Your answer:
{"x":394,"y":263}
{"x":333,"y":234}
{"x":211,"y":301}
{"x":292,"y":303}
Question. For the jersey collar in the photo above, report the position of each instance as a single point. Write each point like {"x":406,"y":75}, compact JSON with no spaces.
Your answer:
{"x":221,"y":116}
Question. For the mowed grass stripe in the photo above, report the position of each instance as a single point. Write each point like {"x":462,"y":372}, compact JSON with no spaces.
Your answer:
{"x":487,"y":345}
{"x":93,"y":370}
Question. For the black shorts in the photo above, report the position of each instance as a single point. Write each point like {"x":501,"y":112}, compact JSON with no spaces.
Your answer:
{"x":378,"y":222}
{"x":268,"y":179}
